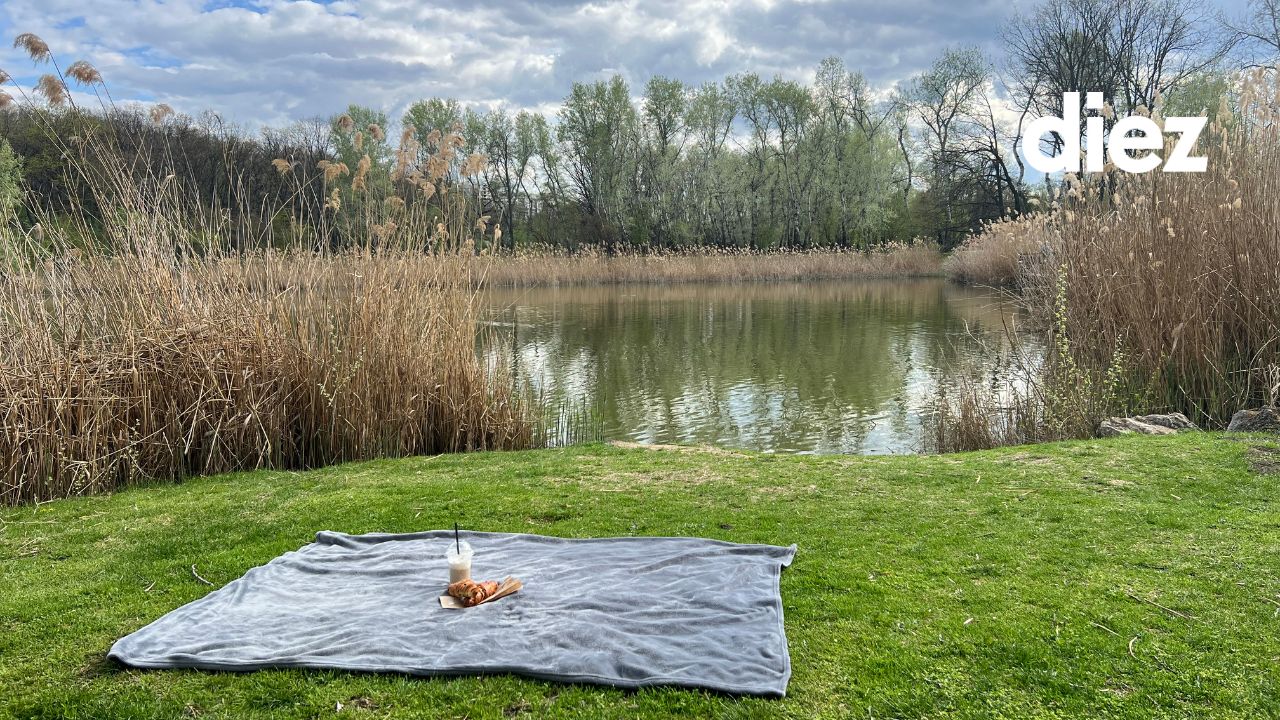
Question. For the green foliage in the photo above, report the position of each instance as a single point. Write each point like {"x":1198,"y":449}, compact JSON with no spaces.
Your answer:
{"x":598,"y":126}
{"x":747,"y":162}
{"x":1201,"y":94}
{"x":11,"y":191}
{"x":438,"y":114}
{"x":358,"y":138}
{"x":1077,"y":398}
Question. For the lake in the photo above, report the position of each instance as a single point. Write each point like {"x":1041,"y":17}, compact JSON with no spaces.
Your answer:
{"x":825,"y":367}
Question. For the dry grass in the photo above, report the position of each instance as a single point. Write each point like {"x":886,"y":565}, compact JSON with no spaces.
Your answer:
{"x":972,"y":417}
{"x":533,"y":268}
{"x":140,"y":367}
{"x":140,"y":344}
{"x":994,"y":258}
{"x":1161,"y":292}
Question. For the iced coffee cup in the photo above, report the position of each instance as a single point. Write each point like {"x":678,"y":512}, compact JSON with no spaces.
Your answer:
{"x":459,"y":557}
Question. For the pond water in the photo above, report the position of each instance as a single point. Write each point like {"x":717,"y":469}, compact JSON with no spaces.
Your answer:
{"x":827,"y":367}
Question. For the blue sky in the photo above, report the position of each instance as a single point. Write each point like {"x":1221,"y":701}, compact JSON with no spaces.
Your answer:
{"x":271,"y":61}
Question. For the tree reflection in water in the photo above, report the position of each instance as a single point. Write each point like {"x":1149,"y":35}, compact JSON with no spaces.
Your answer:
{"x":847,"y":366}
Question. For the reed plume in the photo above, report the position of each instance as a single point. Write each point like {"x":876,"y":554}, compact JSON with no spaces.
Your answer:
{"x":36,"y":48}
{"x":437,"y":166}
{"x":53,"y":90}
{"x":475,"y":164}
{"x":156,"y":340}
{"x":332,"y":170}
{"x":160,"y":112}
{"x":359,"y":183}
{"x":84,"y":73}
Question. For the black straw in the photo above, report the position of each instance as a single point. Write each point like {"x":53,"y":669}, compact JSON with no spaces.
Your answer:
{"x":455,"y":538}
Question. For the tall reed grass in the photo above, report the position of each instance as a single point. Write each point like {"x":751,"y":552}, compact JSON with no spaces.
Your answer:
{"x":142,"y":343}
{"x":994,"y":258}
{"x":540,"y":268}
{"x":1160,"y":291}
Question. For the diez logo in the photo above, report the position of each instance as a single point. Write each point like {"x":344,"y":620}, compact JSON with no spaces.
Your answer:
{"x":1134,"y":133}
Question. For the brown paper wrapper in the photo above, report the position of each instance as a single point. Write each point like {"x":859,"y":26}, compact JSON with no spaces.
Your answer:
{"x":505,"y":588}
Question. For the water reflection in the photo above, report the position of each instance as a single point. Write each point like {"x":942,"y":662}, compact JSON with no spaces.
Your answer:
{"x":790,"y":367}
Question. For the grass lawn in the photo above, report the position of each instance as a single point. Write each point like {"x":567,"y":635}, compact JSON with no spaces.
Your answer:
{"x":1134,"y":577}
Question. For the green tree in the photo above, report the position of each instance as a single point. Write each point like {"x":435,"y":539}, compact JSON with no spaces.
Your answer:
{"x":709,"y":119}
{"x":427,"y":116}
{"x":944,"y":100}
{"x":1201,"y":94}
{"x":662,"y":143}
{"x":11,"y":192}
{"x":597,"y":128}
{"x":353,"y":136}
{"x":512,"y":144}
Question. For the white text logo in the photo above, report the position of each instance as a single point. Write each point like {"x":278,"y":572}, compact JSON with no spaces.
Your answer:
{"x":1134,"y":133}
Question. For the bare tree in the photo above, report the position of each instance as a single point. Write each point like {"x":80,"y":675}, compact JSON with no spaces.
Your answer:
{"x":1130,"y":50}
{"x":1259,"y":33}
{"x":944,"y":100}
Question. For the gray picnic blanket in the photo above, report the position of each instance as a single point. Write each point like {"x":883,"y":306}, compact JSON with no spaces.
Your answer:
{"x":629,"y":612}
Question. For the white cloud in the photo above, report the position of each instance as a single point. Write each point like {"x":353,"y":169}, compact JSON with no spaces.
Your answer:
{"x":270,"y":61}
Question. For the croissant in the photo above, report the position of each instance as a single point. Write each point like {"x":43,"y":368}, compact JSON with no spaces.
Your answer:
{"x":472,"y":593}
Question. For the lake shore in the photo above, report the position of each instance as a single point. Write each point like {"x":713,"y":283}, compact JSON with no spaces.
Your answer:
{"x":534,"y":269}
{"x":1129,"y":577}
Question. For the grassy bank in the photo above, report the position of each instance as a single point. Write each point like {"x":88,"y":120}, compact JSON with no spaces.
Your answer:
{"x":1132,"y":577}
{"x":527,"y":269}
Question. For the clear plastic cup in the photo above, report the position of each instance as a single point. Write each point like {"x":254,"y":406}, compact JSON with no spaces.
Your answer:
{"x":459,"y":562}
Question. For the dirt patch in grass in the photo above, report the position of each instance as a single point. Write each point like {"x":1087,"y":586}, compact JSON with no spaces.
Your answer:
{"x":359,"y":702}
{"x":773,"y":492}
{"x":1029,"y":458}
{"x":1265,"y":459}
{"x":624,"y":481}
{"x":677,"y":448}
{"x":1103,"y":482}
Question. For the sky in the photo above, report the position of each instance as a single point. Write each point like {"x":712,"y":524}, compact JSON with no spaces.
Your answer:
{"x":261,"y":62}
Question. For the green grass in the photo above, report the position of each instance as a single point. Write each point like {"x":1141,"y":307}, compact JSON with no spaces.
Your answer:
{"x":1135,"y":577}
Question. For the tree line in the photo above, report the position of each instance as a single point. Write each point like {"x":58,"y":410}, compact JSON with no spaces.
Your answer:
{"x":746,"y":162}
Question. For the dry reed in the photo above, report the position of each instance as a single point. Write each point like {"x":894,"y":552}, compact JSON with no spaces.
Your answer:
{"x":1160,"y":291}
{"x":144,"y":366}
{"x":139,"y":344}
{"x":540,"y":268}
{"x":993,"y":258}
